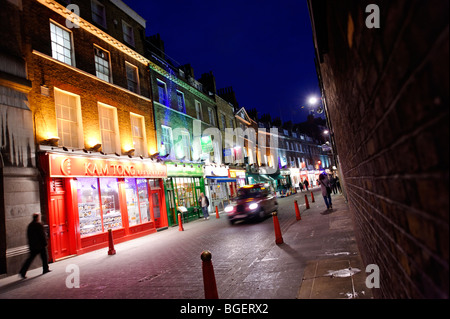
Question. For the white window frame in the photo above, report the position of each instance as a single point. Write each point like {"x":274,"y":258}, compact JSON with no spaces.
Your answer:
{"x":165,"y":99}
{"x":96,"y":56}
{"x":211,"y":114}
{"x":115,"y":141}
{"x":55,"y":45}
{"x":142,"y":148}
{"x":136,"y":72}
{"x":76,"y":142}
{"x":103,"y":13}
{"x":185,"y":144}
{"x":125,"y":34}
{"x":170,"y":142}
{"x":183,"y":110}
{"x":198,"y":110}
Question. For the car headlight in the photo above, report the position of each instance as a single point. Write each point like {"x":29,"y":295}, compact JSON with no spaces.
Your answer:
{"x":229,"y":209}
{"x":253,"y":206}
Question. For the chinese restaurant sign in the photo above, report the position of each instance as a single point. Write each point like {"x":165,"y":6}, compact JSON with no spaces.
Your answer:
{"x":70,"y":166}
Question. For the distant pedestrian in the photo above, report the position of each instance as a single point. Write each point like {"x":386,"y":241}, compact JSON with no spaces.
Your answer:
{"x":306,"y":183}
{"x":300,"y":185}
{"x":326,"y":189}
{"x":333,"y":184}
{"x":37,"y":242}
{"x":204,"y":202}
{"x":338,"y":184}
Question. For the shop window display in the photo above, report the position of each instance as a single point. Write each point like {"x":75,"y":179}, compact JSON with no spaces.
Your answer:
{"x":109,"y":191}
{"x":89,"y":206}
{"x":143,"y":199}
{"x":132,"y":202}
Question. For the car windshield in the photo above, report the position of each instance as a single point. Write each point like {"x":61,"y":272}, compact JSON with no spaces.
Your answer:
{"x":248,"y":192}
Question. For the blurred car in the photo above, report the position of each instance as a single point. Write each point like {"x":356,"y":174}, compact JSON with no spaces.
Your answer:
{"x":252,"y":202}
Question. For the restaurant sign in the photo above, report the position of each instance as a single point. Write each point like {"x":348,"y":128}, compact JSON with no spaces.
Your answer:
{"x":72,"y":166}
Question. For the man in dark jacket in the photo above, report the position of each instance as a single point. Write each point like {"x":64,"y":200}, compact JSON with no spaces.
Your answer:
{"x":37,"y":242}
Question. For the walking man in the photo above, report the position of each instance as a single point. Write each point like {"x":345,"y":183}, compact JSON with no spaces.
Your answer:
{"x":204,"y":202}
{"x":37,"y":242}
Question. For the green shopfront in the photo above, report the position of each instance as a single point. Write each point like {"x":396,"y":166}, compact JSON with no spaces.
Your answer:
{"x":182,"y":188}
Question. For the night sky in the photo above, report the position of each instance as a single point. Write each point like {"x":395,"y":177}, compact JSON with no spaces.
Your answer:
{"x":263,"y":49}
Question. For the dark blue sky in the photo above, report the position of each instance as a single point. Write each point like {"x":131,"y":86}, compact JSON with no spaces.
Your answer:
{"x":263,"y":49}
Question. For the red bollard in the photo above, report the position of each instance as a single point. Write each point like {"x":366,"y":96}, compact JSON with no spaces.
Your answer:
{"x":276,"y":225}
{"x":312,"y":197}
{"x":111,"y":250}
{"x":180,"y":223}
{"x":209,"y":279}
{"x":217,"y":213}
{"x":297,"y":211}
{"x":306,"y":202}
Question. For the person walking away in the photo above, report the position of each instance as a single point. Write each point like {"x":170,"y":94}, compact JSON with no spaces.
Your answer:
{"x":333,"y":184}
{"x":326,"y":189}
{"x":338,"y":184}
{"x":300,"y":185}
{"x":37,"y":242}
{"x":306,"y":183}
{"x":204,"y":203}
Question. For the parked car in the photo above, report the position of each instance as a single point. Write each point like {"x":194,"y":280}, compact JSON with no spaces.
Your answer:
{"x":252,"y":202}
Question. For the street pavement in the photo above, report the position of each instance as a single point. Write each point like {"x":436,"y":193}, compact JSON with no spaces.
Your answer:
{"x":319,"y":259}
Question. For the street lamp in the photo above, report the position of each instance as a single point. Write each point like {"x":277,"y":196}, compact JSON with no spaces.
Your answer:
{"x":313,"y":101}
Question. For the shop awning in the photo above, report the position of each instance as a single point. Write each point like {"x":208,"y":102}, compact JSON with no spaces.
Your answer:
{"x":222,"y":179}
{"x":277,"y":176}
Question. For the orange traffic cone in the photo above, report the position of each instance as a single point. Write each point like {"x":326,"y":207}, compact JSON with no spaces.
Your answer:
{"x":217,"y":213}
{"x":276,"y":225}
{"x":297,"y":211}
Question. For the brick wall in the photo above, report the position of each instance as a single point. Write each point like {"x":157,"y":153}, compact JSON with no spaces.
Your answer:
{"x":386,"y":91}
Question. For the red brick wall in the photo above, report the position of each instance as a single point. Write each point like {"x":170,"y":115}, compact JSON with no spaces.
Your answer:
{"x":387,"y":95}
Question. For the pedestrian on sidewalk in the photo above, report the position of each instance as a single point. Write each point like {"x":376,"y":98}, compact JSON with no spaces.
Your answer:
{"x":37,"y":242}
{"x":306,"y":183}
{"x":204,"y":202}
{"x":333,"y":184}
{"x":326,"y":189}
{"x":338,"y":184}
{"x":300,"y":185}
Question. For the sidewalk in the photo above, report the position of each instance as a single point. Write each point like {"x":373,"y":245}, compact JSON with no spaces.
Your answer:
{"x":312,"y":263}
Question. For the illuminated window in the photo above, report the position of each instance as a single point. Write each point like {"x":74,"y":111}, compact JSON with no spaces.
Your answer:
{"x":138,"y":134}
{"x":211,"y":116}
{"x":102,"y":68}
{"x":166,"y":140}
{"x":61,"y":44}
{"x":68,"y":117}
{"x":109,"y":128}
{"x":132,"y":78}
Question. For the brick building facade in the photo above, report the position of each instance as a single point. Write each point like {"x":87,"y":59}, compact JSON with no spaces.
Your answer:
{"x":386,"y":94}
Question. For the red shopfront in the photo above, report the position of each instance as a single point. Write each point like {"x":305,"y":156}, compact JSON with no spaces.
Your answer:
{"x":89,"y":195}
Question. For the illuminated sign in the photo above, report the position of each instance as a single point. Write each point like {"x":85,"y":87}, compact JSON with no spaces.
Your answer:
{"x":236,"y":173}
{"x":184,"y":169}
{"x":72,"y":166}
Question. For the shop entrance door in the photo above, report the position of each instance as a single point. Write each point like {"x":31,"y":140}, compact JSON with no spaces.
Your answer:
{"x":156,"y":207}
{"x":59,"y":230}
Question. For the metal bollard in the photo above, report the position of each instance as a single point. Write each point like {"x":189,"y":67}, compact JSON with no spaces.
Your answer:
{"x":209,"y":279}
{"x":180,"y":223}
{"x":111,"y":250}
{"x":217,"y":213}
{"x":312,"y":197}
{"x":306,"y":201}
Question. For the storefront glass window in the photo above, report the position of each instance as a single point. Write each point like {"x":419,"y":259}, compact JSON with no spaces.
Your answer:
{"x":132,"y":201}
{"x":89,"y":207}
{"x":143,"y":199}
{"x":185,"y":192}
{"x":109,"y":192}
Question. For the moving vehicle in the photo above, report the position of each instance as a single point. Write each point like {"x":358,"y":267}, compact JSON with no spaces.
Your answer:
{"x":252,"y":202}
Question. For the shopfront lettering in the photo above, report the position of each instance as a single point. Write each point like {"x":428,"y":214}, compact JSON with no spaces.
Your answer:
{"x":65,"y":166}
